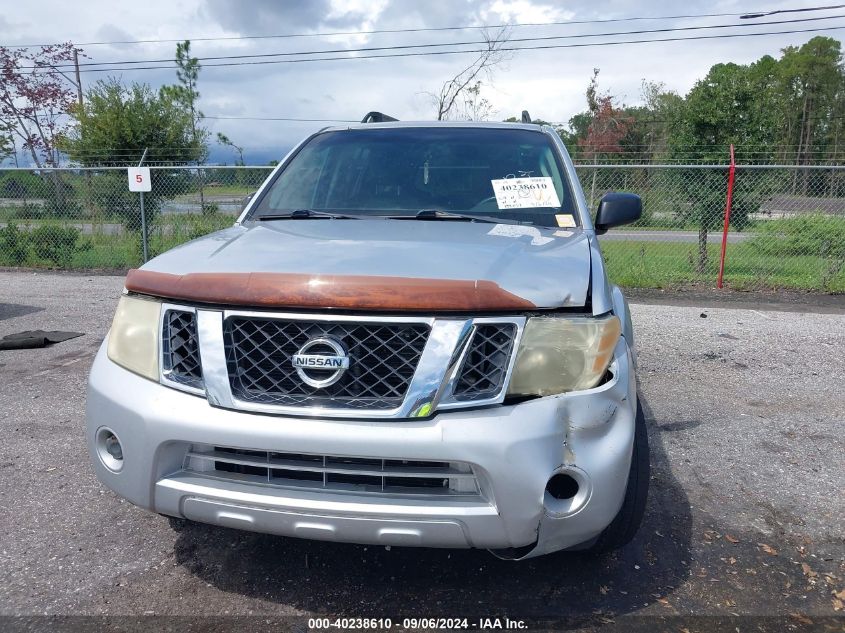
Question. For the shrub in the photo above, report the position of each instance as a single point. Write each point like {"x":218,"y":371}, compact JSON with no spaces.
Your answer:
{"x":817,"y":235}
{"x":112,"y":198}
{"x":22,"y":185}
{"x":55,"y":243}
{"x":14,"y":246}
{"x":210,"y":208}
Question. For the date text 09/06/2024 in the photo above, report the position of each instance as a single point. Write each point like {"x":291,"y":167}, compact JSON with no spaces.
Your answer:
{"x":480,"y":624}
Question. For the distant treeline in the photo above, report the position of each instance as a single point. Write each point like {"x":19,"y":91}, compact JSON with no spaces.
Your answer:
{"x":787,"y":110}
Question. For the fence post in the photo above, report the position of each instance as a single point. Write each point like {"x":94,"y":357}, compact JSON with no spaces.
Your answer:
{"x":728,"y":202}
{"x":143,"y":216}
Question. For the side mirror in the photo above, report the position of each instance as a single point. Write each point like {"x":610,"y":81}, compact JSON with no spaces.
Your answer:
{"x":616,"y":209}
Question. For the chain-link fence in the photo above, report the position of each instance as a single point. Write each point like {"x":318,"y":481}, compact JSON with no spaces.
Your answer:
{"x":787,"y":223}
{"x":88,"y":218}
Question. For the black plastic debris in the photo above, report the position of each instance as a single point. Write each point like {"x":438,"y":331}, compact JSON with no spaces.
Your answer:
{"x":34,"y":339}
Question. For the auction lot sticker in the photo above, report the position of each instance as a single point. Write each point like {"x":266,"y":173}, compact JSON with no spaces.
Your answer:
{"x":525,"y":193}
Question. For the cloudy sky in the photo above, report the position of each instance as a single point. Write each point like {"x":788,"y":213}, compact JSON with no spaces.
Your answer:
{"x":548,"y":83}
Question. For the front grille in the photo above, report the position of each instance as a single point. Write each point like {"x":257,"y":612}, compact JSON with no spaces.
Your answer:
{"x":325,"y":472}
{"x":180,"y":348}
{"x":486,"y":363}
{"x":383,"y":358}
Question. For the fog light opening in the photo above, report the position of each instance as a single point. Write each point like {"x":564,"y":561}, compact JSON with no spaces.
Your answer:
{"x":562,"y":487}
{"x":109,"y":449}
{"x":113,"y":447}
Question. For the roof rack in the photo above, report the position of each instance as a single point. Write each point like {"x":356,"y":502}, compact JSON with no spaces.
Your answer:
{"x":377,"y":117}
{"x":526,"y":118}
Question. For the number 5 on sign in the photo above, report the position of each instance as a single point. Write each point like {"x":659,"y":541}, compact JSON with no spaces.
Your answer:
{"x":139,"y":179}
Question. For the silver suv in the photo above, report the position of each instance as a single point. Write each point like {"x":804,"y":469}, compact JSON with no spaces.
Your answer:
{"x":407,"y":338}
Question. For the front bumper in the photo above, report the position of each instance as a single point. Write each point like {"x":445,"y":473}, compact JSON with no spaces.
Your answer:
{"x":513,"y":450}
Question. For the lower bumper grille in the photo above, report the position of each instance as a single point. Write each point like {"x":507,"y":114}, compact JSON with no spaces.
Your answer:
{"x":325,"y":472}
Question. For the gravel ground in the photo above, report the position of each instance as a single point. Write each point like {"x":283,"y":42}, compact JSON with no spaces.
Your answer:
{"x":745,"y":410}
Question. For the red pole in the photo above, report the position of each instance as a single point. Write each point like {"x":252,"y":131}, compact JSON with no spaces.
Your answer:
{"x":731,"y":175}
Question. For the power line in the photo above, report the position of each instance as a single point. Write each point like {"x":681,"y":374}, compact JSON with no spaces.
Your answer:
{"x":749,"y":16}
{"x":504,"y":49}
{"x":394,"y":31}
{"x":442,"y":28}
{"x":371,"y":49}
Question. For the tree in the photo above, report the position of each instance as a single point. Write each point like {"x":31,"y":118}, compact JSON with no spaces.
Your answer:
{"x":811,"y":88}
{"x":225,"y":140}
{"x":653,"y":122}
{"x":33,"y":101}
{"x":598,"y":133}
{"x":575,"y":129}
{"x":185,"y":94}
{"x":34,"y":98}
{"x":475,"y":107}
{"x":490,"y":55}
{"x":118,"y":122}
{"x":609,"y":124}
{"x":114,"y":126}
{"x":727,"y":107}
{"x":7,"y":145}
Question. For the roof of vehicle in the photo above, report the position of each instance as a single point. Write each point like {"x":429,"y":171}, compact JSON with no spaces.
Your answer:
{"x":437,"y":124}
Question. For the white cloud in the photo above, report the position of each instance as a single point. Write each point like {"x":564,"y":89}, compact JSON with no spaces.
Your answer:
{"x":525,"y":11}
{"x":548,"y":83}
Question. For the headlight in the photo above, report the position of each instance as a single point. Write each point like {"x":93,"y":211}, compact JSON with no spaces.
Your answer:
{"x":133,"y":340}
{"x":561,"y":354}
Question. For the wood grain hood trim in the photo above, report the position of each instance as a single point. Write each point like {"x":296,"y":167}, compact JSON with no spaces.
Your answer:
{"x":348,"y":292}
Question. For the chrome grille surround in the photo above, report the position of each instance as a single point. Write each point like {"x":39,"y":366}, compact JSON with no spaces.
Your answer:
{"x":486,"y":362}
{"x":431,"y":388}
{"x":356,"y":475}
{"x":181,"y":366}
{"x":384,"y":357}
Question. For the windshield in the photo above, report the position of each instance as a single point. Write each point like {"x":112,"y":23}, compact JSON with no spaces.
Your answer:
{"x":512,"y":174}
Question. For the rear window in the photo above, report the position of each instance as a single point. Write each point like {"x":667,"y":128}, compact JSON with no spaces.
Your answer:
{"x":404,"y":170}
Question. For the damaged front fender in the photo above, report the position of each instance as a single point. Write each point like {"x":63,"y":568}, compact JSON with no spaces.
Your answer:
{"x":598,"y":427}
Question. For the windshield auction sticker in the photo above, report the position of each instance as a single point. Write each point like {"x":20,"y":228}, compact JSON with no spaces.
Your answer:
{"x":525,"y":193}
{"x":565,"y":220}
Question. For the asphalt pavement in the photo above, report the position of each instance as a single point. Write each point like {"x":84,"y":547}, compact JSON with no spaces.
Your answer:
{"x":745,"y":410}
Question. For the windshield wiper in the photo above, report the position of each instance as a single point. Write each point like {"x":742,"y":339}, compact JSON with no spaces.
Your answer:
{"x":308,"y":214}
{"x":423,"y":214}
{"x":436,"y":214}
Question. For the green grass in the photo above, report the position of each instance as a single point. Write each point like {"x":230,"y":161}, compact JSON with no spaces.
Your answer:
{"x":124,"y":251}
{"x":104,"y":251}
{"x":672,"y":264}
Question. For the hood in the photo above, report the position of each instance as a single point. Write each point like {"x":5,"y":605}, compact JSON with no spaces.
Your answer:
{"x":550,"y":268}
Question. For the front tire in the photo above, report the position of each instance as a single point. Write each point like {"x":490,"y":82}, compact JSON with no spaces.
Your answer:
{"x":624,"y":526}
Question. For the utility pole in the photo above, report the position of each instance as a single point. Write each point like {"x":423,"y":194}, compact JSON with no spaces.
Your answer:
{"x":88,"y":199}
{"x":78,"y":79}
